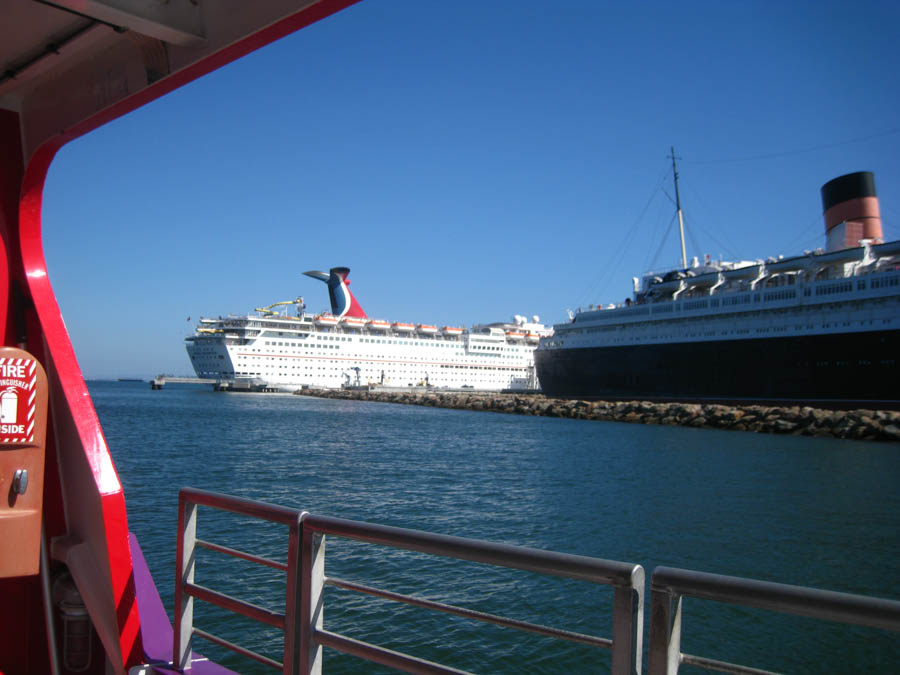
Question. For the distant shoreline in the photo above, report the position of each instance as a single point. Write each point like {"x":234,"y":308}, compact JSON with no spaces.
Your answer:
{"x":859,"y":424}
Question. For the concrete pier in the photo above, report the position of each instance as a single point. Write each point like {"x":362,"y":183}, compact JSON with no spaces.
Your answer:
{"x":160,"y":380}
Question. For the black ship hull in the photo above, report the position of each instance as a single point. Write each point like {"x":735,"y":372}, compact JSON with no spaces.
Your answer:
{"x":836,"y":370}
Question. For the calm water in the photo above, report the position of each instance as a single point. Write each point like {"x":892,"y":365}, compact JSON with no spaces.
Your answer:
{"x":815,"y":512}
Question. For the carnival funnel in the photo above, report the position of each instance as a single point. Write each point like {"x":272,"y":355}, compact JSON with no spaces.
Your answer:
{"x":342,"y":301}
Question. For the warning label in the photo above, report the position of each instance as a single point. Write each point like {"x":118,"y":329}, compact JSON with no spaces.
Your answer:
{"x":17,"y":400}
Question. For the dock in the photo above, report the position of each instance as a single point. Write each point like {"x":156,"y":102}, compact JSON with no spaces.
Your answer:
{"x":160,"y":380}
{"x":254,"y":384}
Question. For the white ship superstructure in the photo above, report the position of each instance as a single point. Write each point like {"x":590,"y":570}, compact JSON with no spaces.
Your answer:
{"x":290,"y":349}
{"x":848,"y":291}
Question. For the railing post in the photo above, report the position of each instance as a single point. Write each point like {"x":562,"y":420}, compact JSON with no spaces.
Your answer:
{"x":293,"y":599}
{"x":664,"y":656}
{"x":311,"y":607}
{"x":628,"y":625}
{"x":184,"y":565}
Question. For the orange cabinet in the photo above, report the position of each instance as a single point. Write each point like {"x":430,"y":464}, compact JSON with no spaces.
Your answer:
{"x":23,"y":434}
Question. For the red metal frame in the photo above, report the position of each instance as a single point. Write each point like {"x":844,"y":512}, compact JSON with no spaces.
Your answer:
{"x":84,"y":505}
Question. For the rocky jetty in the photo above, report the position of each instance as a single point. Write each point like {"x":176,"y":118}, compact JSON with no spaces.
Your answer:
{"x":867,"y":425}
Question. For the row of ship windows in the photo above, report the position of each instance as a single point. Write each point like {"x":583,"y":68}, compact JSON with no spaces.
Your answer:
{"x":417,"y":365}
{"x":400,"y":365}
{"x":497,"y":369}
{"x":312,"y":346}
{"x":276,"y":343}
{"x":739,"y":331}
{"x":202,"y":361}
{"x":771,"y":296}
{"x":780,"y":295}
{"x":368,"y":373}
{"x":844,"y":364}
{"x":571,"y":329}
{"x":481,"y":367}
{"x":831,"y":289}
{"x":515,"y":359}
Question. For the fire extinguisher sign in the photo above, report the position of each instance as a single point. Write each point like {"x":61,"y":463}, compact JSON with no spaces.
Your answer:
{"x":18,"y":380}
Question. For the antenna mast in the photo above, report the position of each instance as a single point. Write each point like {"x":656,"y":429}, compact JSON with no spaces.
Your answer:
{"x":678,"y":207}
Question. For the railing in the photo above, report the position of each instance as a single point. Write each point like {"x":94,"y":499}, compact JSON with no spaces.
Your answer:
{"x":669,"y":586}
{"x":186,"y":590}
{"x":301,"y":623}
{"x":304,"y":634}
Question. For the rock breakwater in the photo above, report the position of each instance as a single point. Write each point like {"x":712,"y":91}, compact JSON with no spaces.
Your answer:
{"x":868,"y":425}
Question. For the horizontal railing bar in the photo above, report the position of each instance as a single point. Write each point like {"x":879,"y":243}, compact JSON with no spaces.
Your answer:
{"x":813,"y":602}
{"x":547,"y":631}
{"x":249,"y":653}
{"x":382,"y":655}
{"x":246,"y":507}
{"x":249,"y":610}
{"x":475,"y":550}
{"x":242,"y":554}
{"x":722,"y":666}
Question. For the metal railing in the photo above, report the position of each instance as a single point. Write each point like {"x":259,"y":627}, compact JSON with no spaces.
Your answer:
{"x":305,"y":636}
{"x":186,"y":590}
{"x":669,"y":586}
{"x":301,"y":622}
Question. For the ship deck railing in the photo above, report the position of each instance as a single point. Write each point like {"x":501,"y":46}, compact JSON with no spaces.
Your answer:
{"x":304,"y":635}
{"x":669,"y":586}
{"x":301,"y":621}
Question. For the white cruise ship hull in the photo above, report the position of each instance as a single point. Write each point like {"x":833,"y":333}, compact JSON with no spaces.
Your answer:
{"x":290,"y":359}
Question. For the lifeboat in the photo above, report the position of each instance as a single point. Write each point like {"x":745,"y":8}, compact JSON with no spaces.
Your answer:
{"x":378,"y":324}
{"x":425,"y":329}
{"x":326,"y":320}
{"x":451,"y":330}
{"x":532,"y":337}
{"x":403,"y":327}
{"x":353,"y":322}
{"x":515,"y":335}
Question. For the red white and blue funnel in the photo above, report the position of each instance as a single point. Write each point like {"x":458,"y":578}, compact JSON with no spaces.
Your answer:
{"x":342,"y":301}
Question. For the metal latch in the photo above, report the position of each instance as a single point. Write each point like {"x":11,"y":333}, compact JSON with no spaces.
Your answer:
{"x":20,"y":481}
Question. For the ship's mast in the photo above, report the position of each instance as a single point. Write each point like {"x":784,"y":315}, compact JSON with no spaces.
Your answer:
{"x":678,"y":207}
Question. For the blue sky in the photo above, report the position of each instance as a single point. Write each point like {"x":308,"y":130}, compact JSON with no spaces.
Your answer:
{"x":468,"y":161}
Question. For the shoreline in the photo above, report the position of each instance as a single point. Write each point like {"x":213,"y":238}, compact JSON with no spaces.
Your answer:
{"x":858,"y":424}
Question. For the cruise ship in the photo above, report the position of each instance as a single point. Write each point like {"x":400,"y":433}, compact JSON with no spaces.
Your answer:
{"x":284,"y":348}
{"x":816,"y":328}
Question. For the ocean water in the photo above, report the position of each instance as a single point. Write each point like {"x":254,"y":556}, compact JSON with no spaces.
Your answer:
{"x":815,"y":512}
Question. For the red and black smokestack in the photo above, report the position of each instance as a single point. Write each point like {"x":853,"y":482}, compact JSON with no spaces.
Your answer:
{"x":851,"y":211}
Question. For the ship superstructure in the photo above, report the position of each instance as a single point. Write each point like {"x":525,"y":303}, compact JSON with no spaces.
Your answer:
{"x":822,"y":326}
{"x":293,"y":349}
